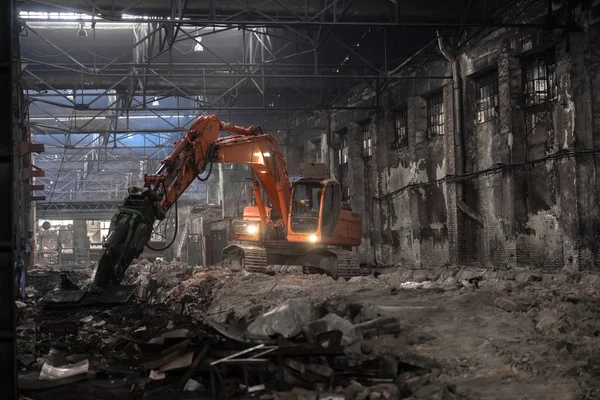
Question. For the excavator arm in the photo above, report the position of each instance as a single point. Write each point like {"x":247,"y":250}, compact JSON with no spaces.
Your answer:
{"x":132,"y":226}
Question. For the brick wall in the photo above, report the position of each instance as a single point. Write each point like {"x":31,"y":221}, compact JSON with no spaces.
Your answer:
{"x":545,"y":215}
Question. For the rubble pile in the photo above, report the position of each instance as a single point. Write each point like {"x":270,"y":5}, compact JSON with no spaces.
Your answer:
{"x":177,"y":285}
{"x":150,"y":351}
{"x":198,"y":332}
{"x":46,"y":278}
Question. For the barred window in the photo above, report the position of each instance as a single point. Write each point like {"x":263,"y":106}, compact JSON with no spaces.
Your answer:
{"x":367,"y":129}
{"x":487,"y":97}
{"x":435,"y":114}
{"x":401,"y":127}
{"x":343,"y":152}
{"x":539,"y":79}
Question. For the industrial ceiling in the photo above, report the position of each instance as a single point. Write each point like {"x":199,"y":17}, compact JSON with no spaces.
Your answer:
{"x":110,"y":84}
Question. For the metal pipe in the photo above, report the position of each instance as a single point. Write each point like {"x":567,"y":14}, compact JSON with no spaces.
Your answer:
{"x":458,"y":131}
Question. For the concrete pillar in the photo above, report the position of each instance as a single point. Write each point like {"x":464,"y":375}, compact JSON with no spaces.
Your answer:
{"x":506,"y":211}
{"x":80,"y":241}
{"x":384,"y":133}
{"x":579,"y":219}
{"x":356,"y":179}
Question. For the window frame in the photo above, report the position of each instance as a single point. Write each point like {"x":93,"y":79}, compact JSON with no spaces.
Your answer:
{"x":432,"y":106}
{"x":399,"y":141}
{"x":487,"y":108}
{"x":343,"y":151}
{"x":531,"y":68}
{"x":366,"y":129}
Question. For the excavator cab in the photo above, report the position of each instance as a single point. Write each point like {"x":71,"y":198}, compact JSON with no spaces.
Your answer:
{"x":316,"y":214}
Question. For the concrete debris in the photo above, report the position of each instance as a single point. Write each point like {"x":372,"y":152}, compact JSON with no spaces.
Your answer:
{"x":547,"y":321}
{"x":332,"y":322}
{"x":192,"y":385}
{"x":286,"y":320}
{"x":55,"y":372}
{"x":507,"y":305}
{"x":364,"y":339}
{"x":157,"y":375}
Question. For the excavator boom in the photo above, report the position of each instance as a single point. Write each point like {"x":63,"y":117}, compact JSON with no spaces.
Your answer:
{"x":191,"y":157}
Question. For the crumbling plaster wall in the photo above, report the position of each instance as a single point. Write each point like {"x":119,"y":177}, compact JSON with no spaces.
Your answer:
{"x":542,"y":214}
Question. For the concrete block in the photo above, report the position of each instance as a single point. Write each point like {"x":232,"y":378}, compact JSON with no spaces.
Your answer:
{"x":491,"y":274}
{"x":562,"y":278}
{"x":433,"y":274}
{"x":466,"y":275}
{"x":419,"y":275}
{"x":523,"y":277}
{"x":286,"y":319}
{"x":447,"y":274}
{"x":547,"y":321}
{"x":507,"y":305}
{"x":406,"y":275}
{"x":509,"y":275}
{"x":590,"y":279}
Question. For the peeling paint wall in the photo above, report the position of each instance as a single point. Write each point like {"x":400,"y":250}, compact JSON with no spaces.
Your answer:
{"x":538,"y":205}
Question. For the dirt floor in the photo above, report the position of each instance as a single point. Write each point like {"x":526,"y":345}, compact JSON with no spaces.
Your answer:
{"x":493,"y":339}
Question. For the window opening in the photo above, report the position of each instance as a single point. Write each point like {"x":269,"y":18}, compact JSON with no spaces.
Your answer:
{"x":435,"y":114}
{"x":366,"y":129}
{"x":539,"y":85}
{"x":401,"y":127}
{"x":487,"y":97}
{"x":343,"y":152}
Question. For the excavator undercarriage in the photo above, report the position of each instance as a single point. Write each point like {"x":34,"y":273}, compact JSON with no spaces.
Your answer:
{"x":335,"y":262}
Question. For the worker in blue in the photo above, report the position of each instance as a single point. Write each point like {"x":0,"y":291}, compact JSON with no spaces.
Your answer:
{"x":19,"y":279}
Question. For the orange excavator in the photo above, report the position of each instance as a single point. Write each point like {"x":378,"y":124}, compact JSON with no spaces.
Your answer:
{"x":304,"y":223}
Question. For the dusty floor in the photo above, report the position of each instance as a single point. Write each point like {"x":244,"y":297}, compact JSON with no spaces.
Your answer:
{"x":486,"y":351}
{"x":545,"y":347}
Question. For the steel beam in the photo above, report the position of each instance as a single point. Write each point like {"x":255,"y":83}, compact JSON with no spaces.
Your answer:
{"x":433,"y":23}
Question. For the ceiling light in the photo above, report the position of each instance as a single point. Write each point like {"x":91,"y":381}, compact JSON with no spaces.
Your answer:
{"x":155,"y":102}
{"x":81,"y":32}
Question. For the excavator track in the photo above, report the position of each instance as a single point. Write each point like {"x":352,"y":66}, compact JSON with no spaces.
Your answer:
{"x":348,"y":263}
{"x":338,"y":263}
{"x":251,"y":258}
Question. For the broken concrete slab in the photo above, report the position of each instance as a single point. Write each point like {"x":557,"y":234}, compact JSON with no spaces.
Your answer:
{"x":507,"y":305}
{"x":444,"y":275}
{"x":333,"y":322}
{"x":286,"y":319}
{"x":524,"y":277}
{"x":547,"y":321}
{"x":387,"y":391}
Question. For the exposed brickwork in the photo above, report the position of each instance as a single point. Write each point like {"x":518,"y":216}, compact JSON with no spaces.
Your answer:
{"x":544,"y":216}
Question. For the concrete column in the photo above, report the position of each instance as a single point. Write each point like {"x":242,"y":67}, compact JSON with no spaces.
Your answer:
{"x":325,"y":150}
{"x":382,"y":215}
{"x":356,"y":179}
{"x":506,"y":210}
{"x":452,"y":210}
{"x":378,"y":164}
{"x":580,"y":219}
{"x":80,"y":242}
